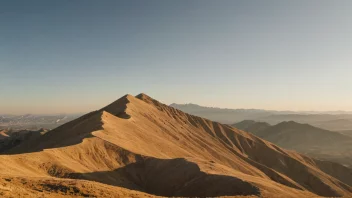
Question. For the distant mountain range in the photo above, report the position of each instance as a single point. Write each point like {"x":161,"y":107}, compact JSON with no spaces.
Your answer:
{"x":346,"y":132}
{"x":332,"y":120}
{"x":34,"y":122}
{"x":304,"y":138}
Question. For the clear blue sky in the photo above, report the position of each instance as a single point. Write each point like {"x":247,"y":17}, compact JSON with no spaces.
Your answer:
{"x":76,"y":56}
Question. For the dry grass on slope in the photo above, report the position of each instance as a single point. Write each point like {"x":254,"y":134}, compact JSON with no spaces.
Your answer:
{"x":142,"y":145}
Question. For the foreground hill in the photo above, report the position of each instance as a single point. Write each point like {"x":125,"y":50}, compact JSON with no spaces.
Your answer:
{"x":12,"y":138}
{"x":304,"y":138}
{"x":137,"y":146}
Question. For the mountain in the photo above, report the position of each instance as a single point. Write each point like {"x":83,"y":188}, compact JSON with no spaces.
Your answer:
{"x":335,"y":124}
{"x":330,"y":122}
{"x":304,"y":138}
{"x":138,"y":147}
{"x":10,"y":138}
{"x":222,"y":115}
{"x":346,"y":132}
{"x":4,"y":134}
{"x":334,"y":121}
{"x":251,"y":126}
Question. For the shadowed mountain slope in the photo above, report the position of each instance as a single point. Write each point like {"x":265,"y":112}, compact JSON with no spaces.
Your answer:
{"x":251,"y":126}
{"x":140,"y":144}
{"x":304,"y":138}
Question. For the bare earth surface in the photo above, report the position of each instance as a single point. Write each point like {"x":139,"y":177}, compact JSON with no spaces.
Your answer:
{"x":138,"y":147}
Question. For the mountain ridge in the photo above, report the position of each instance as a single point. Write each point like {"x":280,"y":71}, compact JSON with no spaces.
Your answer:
{"x":121,"y":143}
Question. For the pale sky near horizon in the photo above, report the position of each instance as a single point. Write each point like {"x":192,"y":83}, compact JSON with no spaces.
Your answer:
{"x":76,"y":56}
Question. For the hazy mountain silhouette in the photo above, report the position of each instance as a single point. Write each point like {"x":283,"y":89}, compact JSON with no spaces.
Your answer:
{"x":335,"y":121}
{"x":304,"y":138}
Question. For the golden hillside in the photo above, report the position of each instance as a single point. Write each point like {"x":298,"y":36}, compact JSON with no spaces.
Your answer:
{"x":137,"y":147}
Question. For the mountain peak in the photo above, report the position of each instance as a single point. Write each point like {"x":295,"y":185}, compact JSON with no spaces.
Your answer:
{"x":119,"y":106}
{"x":145,"y":97}
{"x":202,"y":153}
{"x":142,"y":95}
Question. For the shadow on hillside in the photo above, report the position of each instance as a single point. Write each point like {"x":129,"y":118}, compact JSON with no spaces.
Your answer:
{"x":170,"y":177}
